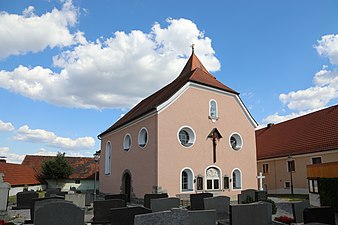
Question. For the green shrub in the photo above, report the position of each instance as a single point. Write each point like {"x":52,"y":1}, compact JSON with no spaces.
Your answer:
{"x":328,"y":192}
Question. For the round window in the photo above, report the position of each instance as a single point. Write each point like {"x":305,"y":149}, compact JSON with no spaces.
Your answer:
{"x":236,"y":142}
{"x":186,"y":136}
{"x":142,"y":137}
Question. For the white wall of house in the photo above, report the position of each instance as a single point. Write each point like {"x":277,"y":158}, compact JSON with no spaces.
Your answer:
{"x":15,"y":190}
{"x":66,"y":184}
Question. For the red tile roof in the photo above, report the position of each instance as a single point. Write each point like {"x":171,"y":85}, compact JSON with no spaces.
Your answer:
{"x":83,"y":167}
{"x":314,"y":132}
{"x":17,"y":174}
{"x":193,"y":71}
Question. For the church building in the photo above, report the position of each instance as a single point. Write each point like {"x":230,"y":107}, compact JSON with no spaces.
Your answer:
{"x":193,"y":135}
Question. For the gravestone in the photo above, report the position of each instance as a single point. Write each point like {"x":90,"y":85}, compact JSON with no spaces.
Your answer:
{"x":253,"y":214}
{"x":126,"y":215}
{"x":163,"y":204}
{"x":36,"y":203}
{"x":297,"y":210}
{"x":247,"y":196}
{"x":197,"y":200}
{"x":261,"y":195}
{"x":172,"y":217}
{"x":24,"y":199}
{"x":59,"y":213}
{"x":77,"y":199}
{"x":52,"y":192}
{"x":148,"y":197}
{"x":202,"y":217}
{"x":319,"y":215}
{"x":4,"y":191}
{"x":102,"y":209}
{"x":219,"y":203}
{"x":117,"y":196}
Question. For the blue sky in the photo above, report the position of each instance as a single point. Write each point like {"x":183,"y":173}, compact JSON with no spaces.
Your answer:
{"x":70,"y":69}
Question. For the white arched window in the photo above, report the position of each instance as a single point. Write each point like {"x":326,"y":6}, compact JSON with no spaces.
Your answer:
{"x":213,"y":112}
{"x":213,"y":176}
{"x":187,"y":180}
{"x":107,"y":159}
{"x":236,"y":179}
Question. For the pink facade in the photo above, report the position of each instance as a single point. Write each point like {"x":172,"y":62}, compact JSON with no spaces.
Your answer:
{"x":179,"y":157}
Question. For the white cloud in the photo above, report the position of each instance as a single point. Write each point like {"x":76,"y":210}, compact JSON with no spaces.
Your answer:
{"x":24,"y":133}
{"x":328,"y":47}
{"x":28,"y":32}
{"x":6,"y":126}
{"x":114,"y":72}
{"x":11,"y":157}
{"x":324,"y":90}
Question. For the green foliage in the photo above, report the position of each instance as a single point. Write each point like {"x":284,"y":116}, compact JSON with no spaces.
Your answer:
{"x":274,"y":207}
{"x":328,"y":192}
{"x":56,"y":168}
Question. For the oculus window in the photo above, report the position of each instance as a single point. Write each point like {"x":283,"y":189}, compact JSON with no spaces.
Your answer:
{"x":236,"y":141}
{"x":143,"y":137}
{"x":186,"y":136}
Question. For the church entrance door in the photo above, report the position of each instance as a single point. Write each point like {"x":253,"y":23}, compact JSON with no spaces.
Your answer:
{"x":127,"y":185}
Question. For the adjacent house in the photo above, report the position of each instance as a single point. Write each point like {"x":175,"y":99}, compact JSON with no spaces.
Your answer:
{"x":285,"y":150}
{"x":20,"y":177}
{"x":82,"y":177}
{"x":193,"y":135}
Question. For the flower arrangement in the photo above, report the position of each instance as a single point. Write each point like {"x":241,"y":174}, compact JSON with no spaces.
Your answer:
{"x":2,"y":222}
{"x":284,"y":219}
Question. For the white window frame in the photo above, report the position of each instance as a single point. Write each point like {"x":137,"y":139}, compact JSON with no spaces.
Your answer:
{"x":107,"y":162}
{"x":192,"y":136}
{"x":239,"y":138}
{"x":220,"y":182}
{"x":141,"y":142}
{"x":125,"y":144}
{"x":240,"y":179}
{"x":287,"y":165}
{"x":191,"y":186}
{"x":285,"y":186}
{"x":213,"y":118}
{"x":265,"y":171}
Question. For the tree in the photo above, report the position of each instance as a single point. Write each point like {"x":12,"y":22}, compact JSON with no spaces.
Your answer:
{"x":56,"y":168}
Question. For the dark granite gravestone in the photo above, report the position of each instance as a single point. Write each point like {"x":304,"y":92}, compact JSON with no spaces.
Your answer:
{"x":253,"y":214}
{"x":35,"y":202}
{"x":24,"y":199}
{"x":319,"y":215}
{"x":247,"y":196}
{"x":219,"y":203}
{"x":197,"y":200}
{"x":261,"y":195}
{"x":117,"y":196}
{"x":169,"y":217}
{"x":59,"y":213}
{"x":51,"y":192}
{"x":102,"y":208}
{"x":126,"y":215}
{"x":148,"y":197}
{"x":297,"y":210}
{"x":202,"y":217}
{"x":162,"y":204}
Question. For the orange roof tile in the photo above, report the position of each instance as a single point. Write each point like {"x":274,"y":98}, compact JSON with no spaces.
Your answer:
{"x":193,"y":71}
{"x":17,"y":174}
{"x":314,"y":132}
{"x":83,"y":167}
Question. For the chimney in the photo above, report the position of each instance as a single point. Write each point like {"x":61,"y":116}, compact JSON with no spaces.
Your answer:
{"x":270,"y":125}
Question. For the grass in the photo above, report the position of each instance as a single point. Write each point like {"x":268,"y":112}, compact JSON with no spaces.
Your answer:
{"x":290,"y":197}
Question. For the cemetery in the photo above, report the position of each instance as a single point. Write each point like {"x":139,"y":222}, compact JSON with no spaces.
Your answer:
{"x":73,"y":208}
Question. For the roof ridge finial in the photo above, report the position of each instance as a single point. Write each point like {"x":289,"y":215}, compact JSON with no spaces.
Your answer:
{"x":192,"y":48}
